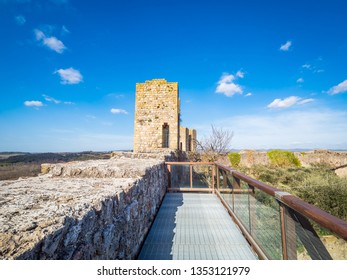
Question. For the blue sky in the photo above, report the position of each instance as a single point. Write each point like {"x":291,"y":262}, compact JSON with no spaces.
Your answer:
{"x":273,"y":72}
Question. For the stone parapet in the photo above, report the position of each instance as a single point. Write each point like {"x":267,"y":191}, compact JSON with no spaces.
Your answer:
{"x":92,"y":210}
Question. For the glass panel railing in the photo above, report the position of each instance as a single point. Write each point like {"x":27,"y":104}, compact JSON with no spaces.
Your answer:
{"x":266,"y":224}
{"x":311,"y":241}
{"x":180,"y":176}
{"x":276,"y":223}
{"x":202,"y":176}
{"x":241,"y":204}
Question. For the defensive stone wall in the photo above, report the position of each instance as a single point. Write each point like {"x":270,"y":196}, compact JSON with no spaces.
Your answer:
{"x":100,"y":209}
{"x":336,"y":160}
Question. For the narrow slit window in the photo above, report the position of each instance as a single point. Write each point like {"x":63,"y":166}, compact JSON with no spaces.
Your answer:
{"x":166,"y":135}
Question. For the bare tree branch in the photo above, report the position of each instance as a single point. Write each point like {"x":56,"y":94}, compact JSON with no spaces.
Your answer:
{"x":217,"y":143}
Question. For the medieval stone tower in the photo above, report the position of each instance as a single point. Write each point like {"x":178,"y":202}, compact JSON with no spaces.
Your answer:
{"x":157,"y":118}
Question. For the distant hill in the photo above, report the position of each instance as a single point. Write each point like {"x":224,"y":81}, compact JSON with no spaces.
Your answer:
{"x":14,"y":164}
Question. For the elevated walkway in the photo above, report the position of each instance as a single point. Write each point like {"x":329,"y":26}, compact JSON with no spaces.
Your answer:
{"x":194,"y":226}
{"x":213,"y":212}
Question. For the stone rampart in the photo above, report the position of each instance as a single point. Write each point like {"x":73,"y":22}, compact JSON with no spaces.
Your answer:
{"x":330,"y":158}
{"x":99,"y":209}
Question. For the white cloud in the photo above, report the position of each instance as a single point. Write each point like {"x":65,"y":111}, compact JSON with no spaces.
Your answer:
{"x":51,"y":42}
{"x":118,"y":111}
{"x":300,"y":80}
{"x":249,"y":94}
{"x":33,"y":103}
{"x":306,"y":66}
{"x":20,"y":19}
{"x":51,"y":99}
{"x":227,"y":86}
{"x":286,"y":46}
{"x":69,"y":76}
{"x":240,"y":74}
{"x":305,"y":101}
{"x":68,"y":103}
{"x":288,"y":102}
{"x":340,"y":88}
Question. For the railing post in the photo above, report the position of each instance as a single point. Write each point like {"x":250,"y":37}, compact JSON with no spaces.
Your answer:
{"x":289,"y":224}
{"x":283,"y":232}
{"x":213,"y":171}
{"x":169,"y":174}
{"x":191,"y":175}
{"x":218,"y":179}
{"x":252,"y":209}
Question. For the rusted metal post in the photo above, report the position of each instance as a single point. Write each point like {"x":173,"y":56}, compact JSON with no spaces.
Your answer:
{"x":283,"y":232}
{"x":289,"y":224}
{"x":252,"y":209}
{"x":213,"y":170}
{"x":169,"y":174}
{"x":191,"y":175}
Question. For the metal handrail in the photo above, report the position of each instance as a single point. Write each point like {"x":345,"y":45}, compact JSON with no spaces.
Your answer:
{"x":328,"y":221}
{"x":294,"y":213}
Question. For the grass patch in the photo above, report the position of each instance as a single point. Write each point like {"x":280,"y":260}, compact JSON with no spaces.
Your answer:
{"x":317,"y":185}
{"x":279,"y":158}
{"x":234,"y":158}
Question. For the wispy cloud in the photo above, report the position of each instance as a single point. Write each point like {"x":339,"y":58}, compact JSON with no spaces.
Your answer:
{"x":51,"y":99}
{"x":249,"y":94}
{"x":285,"y":47}
{"x":64,"y":30}
{"x":227,"y":86}
{"x":306,"y":66}
{"x":20,"y":20}
{"x":51,"y":42}
{"x":33,"y":103}
{"x":288,"y":129}
{"x":69,"y":76}
{"x":56,"y":101}
{"x":340,"y":88}
{"x":115,"y":95}
{"x":313,"y":68}
{"x":91,"y":117}
{"x":300,"y":80}
{"x":118,"y":111}
{"x":289,"y":102}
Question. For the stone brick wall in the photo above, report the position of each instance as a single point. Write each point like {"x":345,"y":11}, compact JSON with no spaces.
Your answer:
{"x":184,"y":139}
{"x":157,"y":103}
{"x":99,"y":209}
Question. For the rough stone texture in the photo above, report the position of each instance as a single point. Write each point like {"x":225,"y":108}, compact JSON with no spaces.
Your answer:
{"x":331,"y":158}
{"x":98,"y":209}
{"x":157,"y":106}
{"x":250,"y":158}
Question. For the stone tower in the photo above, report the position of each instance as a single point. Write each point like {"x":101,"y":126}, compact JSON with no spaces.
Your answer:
{"x":157,"y":117}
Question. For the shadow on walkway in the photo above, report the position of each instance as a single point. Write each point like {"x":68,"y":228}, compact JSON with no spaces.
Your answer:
{"x":159,"y":242}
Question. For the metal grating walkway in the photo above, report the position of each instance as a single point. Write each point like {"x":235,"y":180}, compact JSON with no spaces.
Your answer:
{"x":191,"y":226}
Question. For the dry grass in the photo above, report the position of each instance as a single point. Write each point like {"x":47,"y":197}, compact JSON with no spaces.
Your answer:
{"x":17,"y":170}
